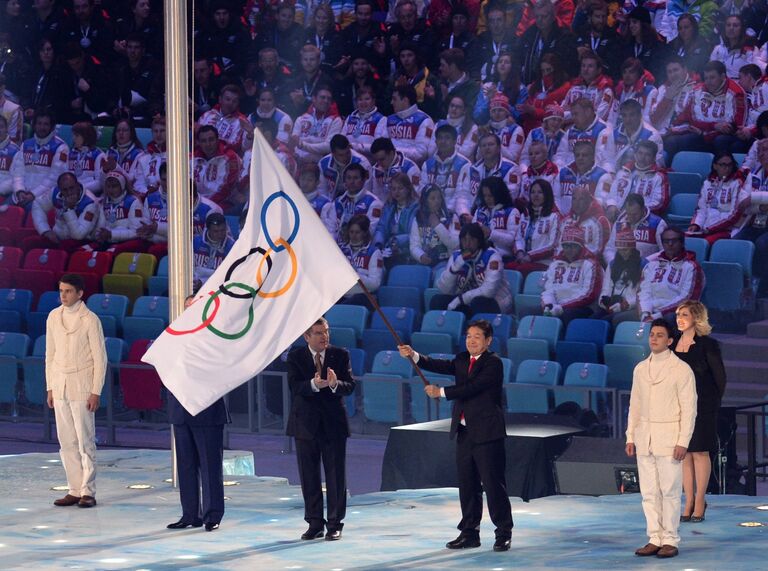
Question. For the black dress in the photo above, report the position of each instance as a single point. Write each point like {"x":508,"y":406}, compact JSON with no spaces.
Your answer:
{"x":704,"y":358}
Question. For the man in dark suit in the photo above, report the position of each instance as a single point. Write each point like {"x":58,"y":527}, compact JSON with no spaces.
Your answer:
{"x":477,"y":422}
{"x":199,"y":461}
{"x":320,"y":376}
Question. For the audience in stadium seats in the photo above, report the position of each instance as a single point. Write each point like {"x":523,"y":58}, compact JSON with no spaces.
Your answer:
{"x":434,"y":231}
{"x":621,"y":281}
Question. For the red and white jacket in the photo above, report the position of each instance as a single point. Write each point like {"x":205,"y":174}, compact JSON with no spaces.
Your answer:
{"x":512,"y":140}
{"x":86,"y":164}
{"x":539,"y":237}
{"x":361,"y":129}
{"x":122,"y":217}
{"x":504,"y":225}
{"x":757,"y":102}
{"x":216,"y":177}
{"x":148,"y":169}
{"x":549,"y":171}
{"x":284,"y":155}
{"x":311,"y":137}
{"x":596,"y":228}
{"x":647,"y":231}
{"x":572,"y":284}
{"x":601,"y":136}
{"x":44,"y":160}
{"x":652,"y":183}
{"x":642,"y":91}
{"x":665,"y":110}
{"x":666,"y":283}
{"x":231,"y":127}
{"x":735,"y":59}
{"x":721,"y":205}
{"x":599,"y":92}
{"x":411,"y":133}
{"x":705,"y":110}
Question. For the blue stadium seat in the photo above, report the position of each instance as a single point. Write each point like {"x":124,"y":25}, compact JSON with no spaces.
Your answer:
{"x":399,"y":296}
{"x":391,"y":363}
{"x":724,"y":284}
{"x":508,"y":365}
{"x":145,"y":135}
{"x":48,"y":301}
{"x":402,"y":320}
{"x":65,"y":132}
{"x":357,"y":360}
{"x":117,"y":350}
{"x":109,"y":305}
{"x":582,"y":375}
{"x":158,"y":284}
{"x":34,"y":380}
{"x":354,"y":316}
{"x":135,"y":328}
{"x":681,"y":209}
{"x":515,"y":280}
{"x":621,"y":361}
{"x":684,"y":183}
{"x":567,"y":352}
{"x":518,"y":350}
{"x":19,"y":300}
{"x":533,"y":400}
{"x":529,"y":302}
{"x":233,"y":223}
{"x":13,"y":348}
{"x":373,"y":341}
{"x":410,"y":275}
{"x":443,"y":321}
{"x":540,"y":327}
{"x":419,"y":399}
{"x":151,"y":306}
{"x":427,"y":343}
{"x":588,"y":330}
{"x":698,"y":246}
{"x":503,"y":326}
{"x":739,"y":158}
{"x":632,"y":333}
{"x":382,"y":399}
{"x":740,"y":252}
{"x":429,"y":293}
{"x":10,"y":321}
{"x":344,"y":337}
{"x":693,"y":161}
{"x":38,"y":349}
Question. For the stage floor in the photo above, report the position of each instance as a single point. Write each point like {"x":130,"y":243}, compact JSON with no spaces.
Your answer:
{"x":386,"y":530}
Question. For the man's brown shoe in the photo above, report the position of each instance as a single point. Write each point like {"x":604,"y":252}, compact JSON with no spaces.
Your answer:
{"x":648,"y":550}
{"x":68,"y":500}
{"x":87,"y":502}
{"x":667,"y":551}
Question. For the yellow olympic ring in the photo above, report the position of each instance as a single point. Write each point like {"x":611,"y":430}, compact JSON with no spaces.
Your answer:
{"x":294,"y":271}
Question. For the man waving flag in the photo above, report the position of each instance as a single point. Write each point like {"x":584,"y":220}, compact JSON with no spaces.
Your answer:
{"x":283,"y":272}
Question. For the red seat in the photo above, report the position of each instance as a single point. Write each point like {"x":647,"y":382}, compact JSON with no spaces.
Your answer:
{"x":10,"y":257}
{"x":37,"y":281}
{"x":46,"y":259}
{"x":7,"y":237}
{"x":22,"y":235}
{"x":142,"y":389}
{"x":99,"y":263}
{"x":5,"y":278}
{"x":13,"y":217}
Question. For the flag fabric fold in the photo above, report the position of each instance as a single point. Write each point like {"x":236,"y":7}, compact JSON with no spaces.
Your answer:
{"x":284,"y":271}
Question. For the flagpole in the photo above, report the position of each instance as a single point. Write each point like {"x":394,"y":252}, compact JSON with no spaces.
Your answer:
{"x":375,"y":304}
{"x":179,"y":203}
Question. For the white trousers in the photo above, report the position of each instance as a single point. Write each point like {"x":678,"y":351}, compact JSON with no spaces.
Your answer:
{"x":661,"y":485}
{"x":76,"y":429}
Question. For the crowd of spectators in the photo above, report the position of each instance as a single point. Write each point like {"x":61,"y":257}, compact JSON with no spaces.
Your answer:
{"x":468,"y":136}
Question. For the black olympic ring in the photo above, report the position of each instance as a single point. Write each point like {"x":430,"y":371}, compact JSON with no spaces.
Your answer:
{"x":233,"y":267}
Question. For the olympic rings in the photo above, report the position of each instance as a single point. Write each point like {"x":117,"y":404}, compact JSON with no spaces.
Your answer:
{"x":205,"y":323}
{"x":272,"y":197}
{"x":239,"y":261}
{"x":247,"y":326}
{"x":294,"y":271}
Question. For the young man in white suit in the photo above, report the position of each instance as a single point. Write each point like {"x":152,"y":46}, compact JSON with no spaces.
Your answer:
{"x":662,"y":411}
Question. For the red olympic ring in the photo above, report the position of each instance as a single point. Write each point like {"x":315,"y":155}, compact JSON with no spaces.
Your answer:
{"x":204,"y":324}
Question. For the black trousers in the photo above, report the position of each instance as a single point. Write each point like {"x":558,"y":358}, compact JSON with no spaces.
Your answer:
{"x":481,"y":467}
{"x":199,"y":460}
{"x":332,"y":452}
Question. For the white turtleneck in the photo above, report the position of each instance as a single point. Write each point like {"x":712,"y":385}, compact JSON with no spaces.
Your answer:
{"x":69,"y":316}
{"x":657,"y":363}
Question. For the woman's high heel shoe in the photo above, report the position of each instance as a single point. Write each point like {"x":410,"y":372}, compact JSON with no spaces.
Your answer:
{"x":686,"y":517}
{"x":699,"y":519}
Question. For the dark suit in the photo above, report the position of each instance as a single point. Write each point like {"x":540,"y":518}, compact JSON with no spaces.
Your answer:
{"x":318,"y":421}
{"x":199,"y":459}
{"x":480,"y":452}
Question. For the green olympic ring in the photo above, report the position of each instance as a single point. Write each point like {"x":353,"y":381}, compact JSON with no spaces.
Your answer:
{"x":248,"y":325}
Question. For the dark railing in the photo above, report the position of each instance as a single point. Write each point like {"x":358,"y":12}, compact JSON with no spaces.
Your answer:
{"x":754,"y":469}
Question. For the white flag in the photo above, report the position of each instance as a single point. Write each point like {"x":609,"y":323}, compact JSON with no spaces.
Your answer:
{"x":284,"y":271}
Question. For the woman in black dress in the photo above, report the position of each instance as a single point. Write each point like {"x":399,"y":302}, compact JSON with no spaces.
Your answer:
{"x":702,"y":353}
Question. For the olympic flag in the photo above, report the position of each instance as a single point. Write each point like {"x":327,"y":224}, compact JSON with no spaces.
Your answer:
{"x":283,"y":273}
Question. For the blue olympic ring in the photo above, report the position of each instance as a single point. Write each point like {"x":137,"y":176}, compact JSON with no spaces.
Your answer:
{"x":272,"y":197}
